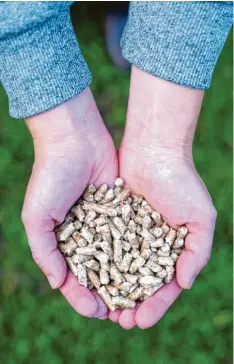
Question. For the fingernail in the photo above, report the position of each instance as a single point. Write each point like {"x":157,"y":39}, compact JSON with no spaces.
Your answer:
{"x":192,"y":279}
{"x":52,"y":281}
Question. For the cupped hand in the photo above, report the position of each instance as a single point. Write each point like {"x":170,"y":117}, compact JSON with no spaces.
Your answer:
{"x":72,"y":149}
{"x":155,"y":160}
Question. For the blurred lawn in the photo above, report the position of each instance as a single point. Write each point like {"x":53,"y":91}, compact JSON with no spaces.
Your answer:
{"x":37,"y":325}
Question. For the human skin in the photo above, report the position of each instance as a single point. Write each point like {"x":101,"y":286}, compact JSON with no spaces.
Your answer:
{"x":72,"y":149}
{"x":155,"y":159}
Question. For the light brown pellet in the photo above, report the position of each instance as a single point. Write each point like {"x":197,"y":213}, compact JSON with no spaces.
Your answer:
{"x":133,"y":240}
{"x":87,"y":234}
{"x":82,"y":275}
{"x":79,"y":258}
{"x":114,"y":231}
{"x":149,"y":238}
{"x":132,"y":278}
{"x":149,"y":291}
{"x":105,"y":295}
{"x":115,"y":242}
{"x":93,"y":264}
{"x":153,"y":266}
{"x":105,"y":266}
{"x":126,"y":246}
{"x":81,"y":242}
{"x":72,"y":266}
{"x":101,"y":256}
{"x":108,"y":197}
{"x":165,"y":228}
{"x":101,"y":220}
{"x":94,"y":278}
{"x":78,"y":224}
{"x":157,"y":218}
{"x":165,"y":261}
{"x":132,"y":226}
{"x":115,"y":274}
{"x":178,"y":243}
{"x":70,"y":217}
{"x":136,"y":294}
{"x":125,"y":286}
{"x":90,"y":216}
{"x":136,"y":264}
{"x":158,"y":243}
{"x":104,"y":230}
{"x":182,"y":232}
{"x":170,"y":236}
{"x":145,"y":271}
{"x":157,"y":232}
{"x":100,"y":209}
{"x":170,"y":273}
{"x":88,"y":250}
{"x":150,"y":281}
{"x":104,"y":276}
{"x":89,"y":192}
{"x":162,"y":274}
{"x":117,"y":245}
{"x":65,"y":230}
{"x":123,"y":302}
{"x":146,"y":222}
{"x":126,"y":262}
{"x":79,"y":213}
{"x":112,"y":290}
{"x":99,"y":195}
{"x":119,"y":224}
{"x":119,"y":182}
{"x":174,"y":256}
{"x":69,"y":246}
{"x":126,"y":213}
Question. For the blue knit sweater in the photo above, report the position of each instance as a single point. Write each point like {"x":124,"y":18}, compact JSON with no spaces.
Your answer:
{"x":41,"y":64}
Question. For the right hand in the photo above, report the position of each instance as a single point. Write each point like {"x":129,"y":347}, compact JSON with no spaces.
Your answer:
{"x":72,"y":149}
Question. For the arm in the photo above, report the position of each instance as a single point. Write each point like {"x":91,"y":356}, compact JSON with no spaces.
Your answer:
{"x":41,"y":64}
{"x":46,"y":79}
{"x":178,"y":42}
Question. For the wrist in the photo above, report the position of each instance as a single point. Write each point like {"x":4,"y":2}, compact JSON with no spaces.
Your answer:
{"x":161,"y":114}
{"x":75,"y":119}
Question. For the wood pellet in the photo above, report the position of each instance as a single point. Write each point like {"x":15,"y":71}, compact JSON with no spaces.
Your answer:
{"x":115,"y":242}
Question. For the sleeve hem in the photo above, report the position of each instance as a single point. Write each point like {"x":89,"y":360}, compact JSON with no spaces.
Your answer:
{"x":42,"y":67}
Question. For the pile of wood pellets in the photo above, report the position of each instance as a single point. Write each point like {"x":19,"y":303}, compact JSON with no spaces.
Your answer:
{"x":115,"y":242}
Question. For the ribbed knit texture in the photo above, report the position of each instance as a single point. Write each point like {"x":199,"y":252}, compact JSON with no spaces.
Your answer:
{"x":41,"y":64}
{"x":177,"y":41}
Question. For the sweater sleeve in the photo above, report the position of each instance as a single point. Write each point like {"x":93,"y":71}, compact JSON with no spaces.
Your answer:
{"x":177,"y":41}
{"x":41,"y":64}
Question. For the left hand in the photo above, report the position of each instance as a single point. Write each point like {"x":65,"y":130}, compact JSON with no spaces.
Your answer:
{"x":162,"y":170}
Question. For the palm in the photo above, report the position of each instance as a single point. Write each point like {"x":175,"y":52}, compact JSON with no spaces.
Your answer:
{"x":61,"y":172}
{"x":173,"y":187}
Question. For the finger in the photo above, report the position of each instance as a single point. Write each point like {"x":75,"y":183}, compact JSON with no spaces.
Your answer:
{"x":193,"y":258}
{"x":102,"y":311}
{"x":151,"y":310}
{"x":127,"y":317}
{"x":114,"y":315}
{"x":44,"y":250}
{"x":79,"y":297}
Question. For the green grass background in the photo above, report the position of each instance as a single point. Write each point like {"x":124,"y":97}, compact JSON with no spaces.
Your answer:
{"x":36,"y":324}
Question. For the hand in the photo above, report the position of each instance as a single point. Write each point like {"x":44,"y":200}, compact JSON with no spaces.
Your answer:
{"x":72,"y":149}
{"x":155,"y":160}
